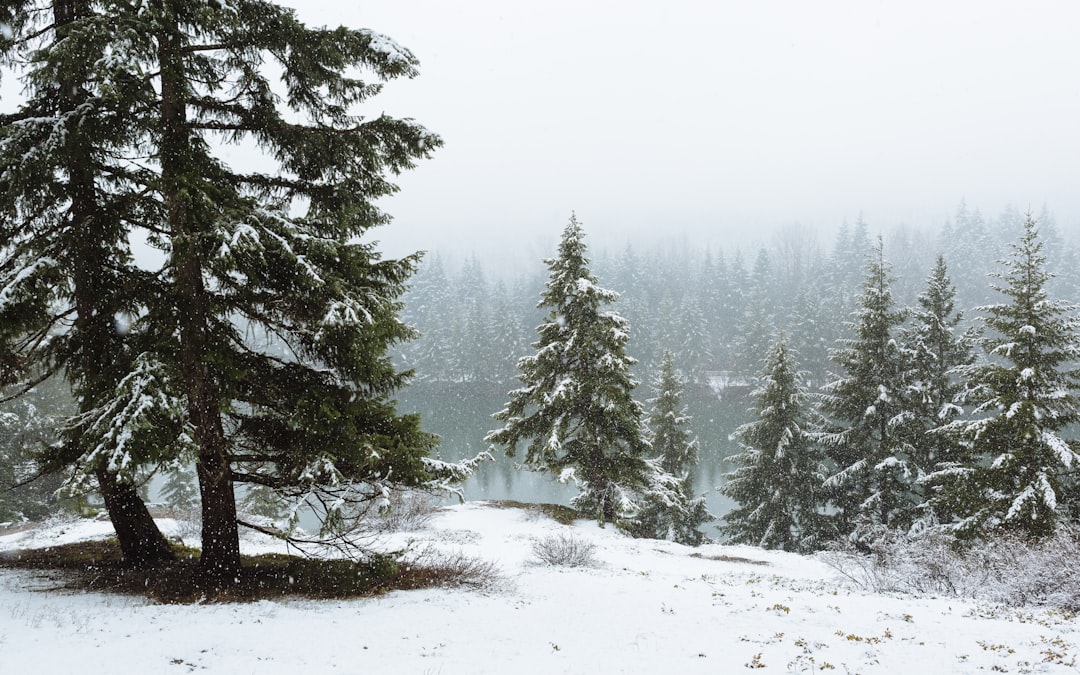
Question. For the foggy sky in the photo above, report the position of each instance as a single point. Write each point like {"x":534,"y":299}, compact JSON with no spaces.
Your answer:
{"x":717,"y":118}
{"x":721,"y":121}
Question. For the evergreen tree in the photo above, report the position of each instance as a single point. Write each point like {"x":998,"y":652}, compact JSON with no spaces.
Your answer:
{"x":472,"y":335}
{"x":577,"y":408}
{"x":778,"y":484}
{"x":180,"y":489}
{"x":1023,"y":398}
{"x":65,"y":267}
{"x":934,"y":350}
{"x":430,"y":307}
{"x":873,"y":473}
{"x":694,"y":351}
{"x":279,"y":252}
{"x":757,"y":330}
{"x":678,"y":455}
{"x":505,"y":342}
{"x":26,"y":424}
{"x":967,"y":238}
{"x":322,"y":420}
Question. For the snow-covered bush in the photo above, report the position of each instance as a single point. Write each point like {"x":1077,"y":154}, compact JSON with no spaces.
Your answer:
{"x":456,"y":569}
{"x":564,"y":550}
{"x":1010,"y":569}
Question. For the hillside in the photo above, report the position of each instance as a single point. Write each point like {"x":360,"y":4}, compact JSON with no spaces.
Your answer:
{"x":640,"y":606}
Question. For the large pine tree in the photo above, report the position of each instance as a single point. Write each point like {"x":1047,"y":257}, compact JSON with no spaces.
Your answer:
{"x":577,"y":409}
{"x":865,"y":406}
{"x":65,"y":267}
{"x":778,"y":482}
{"x":278,"y":253}
{"x":1023,"y":397}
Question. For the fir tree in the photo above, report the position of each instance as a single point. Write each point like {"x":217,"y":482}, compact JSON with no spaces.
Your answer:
{"x":694,"y":350}
{"x":321,"y":420}
{"x":25,"y":425}
{"x":430,"y":307}
{"x":506,"y":340}
{"x":778,"y":484}
{"x":934,"y":350}
{"x":1023,"y":398}
{"x":278,"y":252}
{"x":180,"y":489}
{"x":64,"y":262}
{"x":677,"y":454}
{"x":866,"y":408}
{"x":577,"y":409}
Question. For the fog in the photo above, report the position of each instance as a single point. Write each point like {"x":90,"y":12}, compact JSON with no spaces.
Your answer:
{"x":723,"y":121}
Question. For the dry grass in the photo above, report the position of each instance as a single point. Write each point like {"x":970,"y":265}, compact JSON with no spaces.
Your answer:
{"x":97,"y":566}
{"x":557,"y":512}
{"x":729,"y":559}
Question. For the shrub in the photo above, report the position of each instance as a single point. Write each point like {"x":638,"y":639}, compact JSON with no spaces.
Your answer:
{"x":1010,"y":569}
{"x":564,"y":550}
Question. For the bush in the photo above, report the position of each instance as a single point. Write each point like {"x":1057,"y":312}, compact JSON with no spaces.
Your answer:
{"x":431,"y":567}
{"x":1010,"y":569}
{"x":564,"y":550}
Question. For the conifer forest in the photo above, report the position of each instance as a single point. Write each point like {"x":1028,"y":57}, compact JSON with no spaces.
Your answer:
{"x":181,"y":330}
{"x":888,"y":340}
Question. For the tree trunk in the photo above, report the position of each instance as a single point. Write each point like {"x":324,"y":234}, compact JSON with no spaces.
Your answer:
{"x":98,"y":346}
{"x":141,"y":542}
{"x":220,"y":560}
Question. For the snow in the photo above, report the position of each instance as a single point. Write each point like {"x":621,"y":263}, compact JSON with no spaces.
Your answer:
{"x":644,"y":607}
{"x":22,"y":275}
{"x":391,"y":51}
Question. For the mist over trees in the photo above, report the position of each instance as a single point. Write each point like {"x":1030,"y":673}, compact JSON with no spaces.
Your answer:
{"x":885,"y":329}
{"x":715,"y":311}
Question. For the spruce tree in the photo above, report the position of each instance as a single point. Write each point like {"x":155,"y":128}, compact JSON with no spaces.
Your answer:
{"x":180,"y":489}
{"x":677,"y":454}
{"x":320,"y":421}
{"x":778,"y":482}
{"x":576,"y":409}
{"x":278,"y":252}
{"x":1023,"y":398}
{"x":66,"y":268}
{"x":935,"y":349}
{"x":866,"y":410}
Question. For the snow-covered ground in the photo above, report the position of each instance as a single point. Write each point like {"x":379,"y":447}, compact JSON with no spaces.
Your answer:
{"x":644,"y":607}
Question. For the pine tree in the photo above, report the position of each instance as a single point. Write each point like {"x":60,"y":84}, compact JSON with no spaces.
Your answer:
{"x":866,"y":409}
{"x":677,"y":454}
{"x":430,"y":308}
{"x":577,"y":409}
{"x":64,"y":258}
{"x":1023,"y":398}
{"x":934,"y":350}
{"x":778,"y":484}
{"x":506,"y":340}
{"x":278,"y":252}
{"x":693,"y":340}
{"x":180,"y":489}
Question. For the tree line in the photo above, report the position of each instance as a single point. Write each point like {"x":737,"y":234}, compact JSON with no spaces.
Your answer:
{"x":919,"y":425}
{"x":715,"y":309}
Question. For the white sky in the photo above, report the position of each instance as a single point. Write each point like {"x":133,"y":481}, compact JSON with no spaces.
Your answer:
{"x":721,"y":121}
{"x":719,"y":118}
